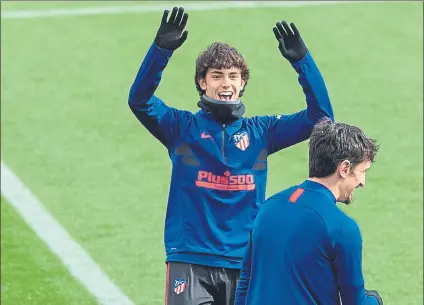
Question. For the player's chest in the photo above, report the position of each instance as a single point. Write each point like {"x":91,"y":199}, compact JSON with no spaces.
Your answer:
{"x":234,"y":147}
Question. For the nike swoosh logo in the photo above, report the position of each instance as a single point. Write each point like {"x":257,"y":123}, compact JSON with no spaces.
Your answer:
{"x":204,"y":135}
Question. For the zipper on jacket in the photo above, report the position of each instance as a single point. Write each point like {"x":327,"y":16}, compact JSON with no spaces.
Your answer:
{"x":223,"y":143}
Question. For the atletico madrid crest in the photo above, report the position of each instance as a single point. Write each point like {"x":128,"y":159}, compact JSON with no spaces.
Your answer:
{"x":179,"y":285}
{"x":242,"y":140}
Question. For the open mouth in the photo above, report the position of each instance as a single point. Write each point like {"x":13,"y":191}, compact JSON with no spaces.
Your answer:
{"x":225,"y":96}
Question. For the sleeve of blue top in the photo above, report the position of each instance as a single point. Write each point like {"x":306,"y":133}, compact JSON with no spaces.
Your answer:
{"x":243,"y":283}
{"x":348,"y":267}
{"x":163,"y":122}
{"x":287,"y":130}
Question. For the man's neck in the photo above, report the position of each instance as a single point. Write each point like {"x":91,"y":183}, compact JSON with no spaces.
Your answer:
{"x":328,"y":183}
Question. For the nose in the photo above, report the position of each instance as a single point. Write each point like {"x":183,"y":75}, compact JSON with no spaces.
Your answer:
{"x":226,"y":82}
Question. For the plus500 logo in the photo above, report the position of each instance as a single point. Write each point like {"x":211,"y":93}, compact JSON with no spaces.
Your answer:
{"x":227,"y":182}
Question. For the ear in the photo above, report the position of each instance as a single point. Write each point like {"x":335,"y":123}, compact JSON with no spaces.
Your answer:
{"x":243,"y":82}
{"x":202,"y":83}
{"x":344,"y":168}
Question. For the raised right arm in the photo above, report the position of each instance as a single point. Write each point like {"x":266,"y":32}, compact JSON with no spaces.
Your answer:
{"x":162,"y":121}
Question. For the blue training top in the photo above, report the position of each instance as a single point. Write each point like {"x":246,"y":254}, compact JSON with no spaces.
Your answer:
{"x":219,"y":171}
{"x":303,"y":250}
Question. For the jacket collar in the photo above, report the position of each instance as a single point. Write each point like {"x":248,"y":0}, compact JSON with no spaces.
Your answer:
{"x":318,"y":187}
{"x":230,"y":129}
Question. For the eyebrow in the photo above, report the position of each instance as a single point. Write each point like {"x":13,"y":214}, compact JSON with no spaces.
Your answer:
{"x":219,"y":72}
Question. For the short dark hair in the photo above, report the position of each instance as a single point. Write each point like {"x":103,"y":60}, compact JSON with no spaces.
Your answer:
{"x":331,"y":143}
{"x":220,"y":55}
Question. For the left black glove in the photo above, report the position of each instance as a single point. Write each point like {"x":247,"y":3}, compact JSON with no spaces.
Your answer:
{"x":375,"y":294}
{"x":291,"y":45}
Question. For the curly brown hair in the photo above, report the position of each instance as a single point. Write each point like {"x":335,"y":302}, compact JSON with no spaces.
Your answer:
{"x":220,"y":55}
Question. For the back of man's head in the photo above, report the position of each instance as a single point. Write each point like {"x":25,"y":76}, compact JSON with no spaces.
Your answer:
{"x":332,"y":143}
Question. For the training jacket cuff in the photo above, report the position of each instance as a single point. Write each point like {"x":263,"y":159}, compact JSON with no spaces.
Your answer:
{"x":308,"y":57}
{"x":162,"y":50}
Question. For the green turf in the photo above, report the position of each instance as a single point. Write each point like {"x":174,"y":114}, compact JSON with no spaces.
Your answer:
{"x":30,"y":272}
{"x":43,"y":5}
{"x":69,"y":135}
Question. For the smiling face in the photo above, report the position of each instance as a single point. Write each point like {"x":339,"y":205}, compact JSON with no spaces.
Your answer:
{"x":221,"y":72}
{"x":222,"y":84}
{"x":339,"y":157}
{"x":351,"y":179}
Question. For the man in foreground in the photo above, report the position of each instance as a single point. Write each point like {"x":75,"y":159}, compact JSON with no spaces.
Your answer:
{"x":303,"y":249}
{"x":219,"y":157}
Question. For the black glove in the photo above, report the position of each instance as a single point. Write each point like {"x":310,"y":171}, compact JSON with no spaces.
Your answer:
{"x":376,"y":295}
{"x":170,"y":34}
{"x":291,"y":44}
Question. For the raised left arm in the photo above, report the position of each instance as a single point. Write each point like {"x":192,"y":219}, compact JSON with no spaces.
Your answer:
{"x":287,"y":130}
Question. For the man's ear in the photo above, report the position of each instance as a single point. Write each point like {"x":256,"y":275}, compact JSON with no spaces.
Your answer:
{"x":202,"y":83}
{"x":243,"y":82}
{"x":344,"y":168}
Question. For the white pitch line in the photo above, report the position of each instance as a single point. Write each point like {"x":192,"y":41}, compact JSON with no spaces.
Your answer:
{"x":24,"y":14}
{"x":72,"y":255}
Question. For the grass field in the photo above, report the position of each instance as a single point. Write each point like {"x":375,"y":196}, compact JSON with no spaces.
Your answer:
{"x":69,"y":135}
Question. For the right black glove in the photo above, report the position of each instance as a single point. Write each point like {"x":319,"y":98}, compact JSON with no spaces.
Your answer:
{"x":170,"y":34}
{"x":376,"y":295}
